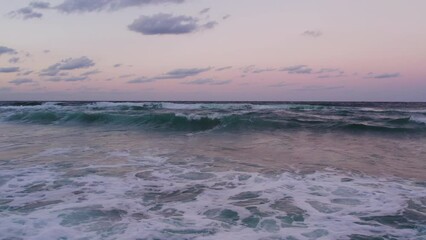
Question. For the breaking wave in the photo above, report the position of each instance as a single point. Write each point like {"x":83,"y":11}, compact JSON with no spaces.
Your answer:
{"x":224,"y":116}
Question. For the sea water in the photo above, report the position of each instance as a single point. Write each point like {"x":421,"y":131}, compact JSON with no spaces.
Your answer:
{"x":163,"y":170}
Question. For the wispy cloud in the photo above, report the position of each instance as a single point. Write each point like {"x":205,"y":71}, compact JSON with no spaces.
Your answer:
{"x":141,"y":80}
{"x":9,"y":69}
{"x":183,"y":73}
{"x":6,"y":50}
{"x":319,"y":88}
{"x":26,"y":73}
{"x":67,"y":79}
{"x":33,"y":10}
{"x":39,"y":5}
{"x":14,"y":60}
{"x":297,"y":69}
{"x":248,"y":69}
{"x":261,"y":70}
{"x":226,"y":17}
{"x":383,"y":75}
{"x":127,"y":75}
{"x":174,"y":74}
{"x":208,"y":81}
{"x":79,"y":6}
{"x":25,"y":13}
{"x":88,"y":73}
{"x":162,"y":24}
{"x":205,"y":10}
{"x":67,"y":64}
{"x":312,"y":33}
{"x":223,"y":68}
{"x":280,"y":84}
{"x":255,"y":69}
{"x":20,"y":81}
{"x":330,"y":73}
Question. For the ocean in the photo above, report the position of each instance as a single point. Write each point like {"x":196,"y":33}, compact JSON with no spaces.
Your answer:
{"x":212,"y":170}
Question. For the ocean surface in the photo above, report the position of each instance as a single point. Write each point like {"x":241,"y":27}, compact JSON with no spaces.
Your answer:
{"x":185,"y":170}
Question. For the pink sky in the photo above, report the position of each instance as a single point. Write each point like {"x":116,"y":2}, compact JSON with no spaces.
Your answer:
{"x":173,"y":50}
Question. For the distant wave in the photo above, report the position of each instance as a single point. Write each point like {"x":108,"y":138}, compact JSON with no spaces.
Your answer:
{"x":221,"y":116}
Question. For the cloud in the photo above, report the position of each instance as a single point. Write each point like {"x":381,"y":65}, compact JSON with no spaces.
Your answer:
{"x":208,"y":81}
{"x":39,"y":5}
{"x":183,"y":73}
{"x":74,"y":79}
{"x":328,"y":70}
{"x":261,"y":70}
{"x":281,"y":84}
{"x":223,"y":68}
{"x":14,"y":60}
{"x":319,"y":88}
{"x":26,"y":73}
{"x":162,"y":24}
{"x":205,"y":10}
{"x":127,"y":75}
{"x":6,"y":50}
{"x":67,"y":79}
{"x":80,"y":6}
{"x":9,"y":69}
{"x":297,"y":69}
{"x":174,"y":74}
{"x":383,"y":75}
{"x":88,"y":73}
{"x":20,"y":81}
{"x":254,"y":69}
{"x":248,"y":69}
{"x":311,"y":33}
{"x":67,"y":64}
{"x":141,"y":80}
{"x":330,"y":73}
{"x":226,"y":17}
{"x":25,"y":13}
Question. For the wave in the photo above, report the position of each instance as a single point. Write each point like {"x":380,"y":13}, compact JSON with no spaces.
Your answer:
{"x":164,"y":120}
{"x":221,"y":116}
{"x":217,"y":120}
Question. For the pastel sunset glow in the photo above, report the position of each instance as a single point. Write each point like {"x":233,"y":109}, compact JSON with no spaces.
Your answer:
{"x":213,"y":50}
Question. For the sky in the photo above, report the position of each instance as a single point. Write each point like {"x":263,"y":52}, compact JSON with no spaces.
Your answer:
{"x":213,"y":50}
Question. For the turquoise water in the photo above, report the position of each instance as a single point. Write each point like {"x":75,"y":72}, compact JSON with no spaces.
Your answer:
{"x":212,"y":171}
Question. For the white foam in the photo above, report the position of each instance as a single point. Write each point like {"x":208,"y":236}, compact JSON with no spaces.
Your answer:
{"x":372,"y":197}
{"x":418,"y":119}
